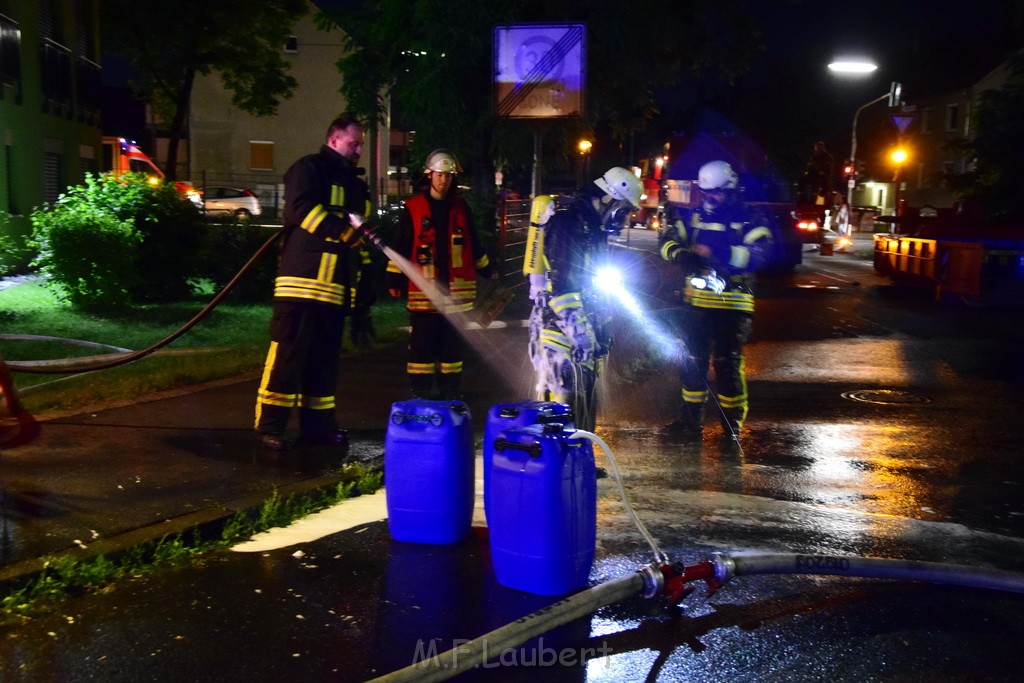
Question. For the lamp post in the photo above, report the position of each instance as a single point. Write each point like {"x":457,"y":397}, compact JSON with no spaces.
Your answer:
{"x":853,"y":147}
{"x":858,"y":66}
{"x":898,"y":157}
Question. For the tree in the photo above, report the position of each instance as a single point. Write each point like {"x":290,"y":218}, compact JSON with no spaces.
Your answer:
{"x":168,"y":44}
{"x":997,"y":181}
{"x":433,"y":60}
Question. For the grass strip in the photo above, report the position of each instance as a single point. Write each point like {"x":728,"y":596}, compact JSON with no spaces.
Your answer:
{"x":66,"y":577}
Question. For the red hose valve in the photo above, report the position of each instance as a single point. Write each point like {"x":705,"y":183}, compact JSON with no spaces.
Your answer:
{"x":678,"y":577}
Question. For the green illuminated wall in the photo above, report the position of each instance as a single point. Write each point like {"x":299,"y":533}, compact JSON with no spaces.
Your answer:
{"x":49,"y":105}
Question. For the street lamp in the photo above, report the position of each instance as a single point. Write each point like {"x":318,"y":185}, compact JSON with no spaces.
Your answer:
{"x":584,"y":147}
{"x":852,"y":65}
{"x":859,"y":67}
{"x":898,"y":157}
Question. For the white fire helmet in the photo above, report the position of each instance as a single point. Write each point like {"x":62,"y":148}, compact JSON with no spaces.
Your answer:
{"x":717,"y":175}
{"x":621,"y":184}
{"x":442,"y":161}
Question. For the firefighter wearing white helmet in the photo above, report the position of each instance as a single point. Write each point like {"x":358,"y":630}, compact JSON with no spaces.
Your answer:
{"x":436,"y":234}
{"x":566,"y":241}
{"x":442,"y":161}
{"x":718,"y":245}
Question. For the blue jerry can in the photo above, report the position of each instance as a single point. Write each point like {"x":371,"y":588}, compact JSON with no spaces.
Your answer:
{"x":429,"y":471}
{"x":543,"y":526}
{"x":522,"y":414}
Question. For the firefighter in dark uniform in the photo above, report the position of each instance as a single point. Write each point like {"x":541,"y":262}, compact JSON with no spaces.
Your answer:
{"x":566,"y":243}
{"x":321,"y":263}
{"x":436,"y":234}
{"x":719,"y":245}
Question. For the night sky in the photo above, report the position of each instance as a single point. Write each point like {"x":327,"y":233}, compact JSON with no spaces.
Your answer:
{"x":790,"y":98}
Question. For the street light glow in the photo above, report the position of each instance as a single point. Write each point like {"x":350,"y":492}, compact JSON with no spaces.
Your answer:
{"x":853,"y":66}
{"x":584,"y":146}
{"x":898,"y":156}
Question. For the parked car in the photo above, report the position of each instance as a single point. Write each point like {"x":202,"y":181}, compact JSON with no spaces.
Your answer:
{"x":234,"y":201}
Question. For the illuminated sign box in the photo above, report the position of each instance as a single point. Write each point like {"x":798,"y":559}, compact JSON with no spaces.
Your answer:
{"x":539,"y":70}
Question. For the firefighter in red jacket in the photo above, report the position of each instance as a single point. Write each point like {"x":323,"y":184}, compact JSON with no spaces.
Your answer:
{"x":319,"y":270}
{"x":436,"y":235}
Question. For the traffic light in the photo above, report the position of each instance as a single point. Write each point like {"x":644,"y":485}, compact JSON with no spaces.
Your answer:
{"x":848,"y":169}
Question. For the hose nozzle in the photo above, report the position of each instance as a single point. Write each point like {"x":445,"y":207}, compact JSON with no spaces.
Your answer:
{"x":361,"y":224}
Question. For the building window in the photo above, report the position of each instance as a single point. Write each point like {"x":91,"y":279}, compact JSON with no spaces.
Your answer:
{"x":52,"y":186}
{"x":12,"y":203}
{"x":85,"y":31}
{"x":291,"y":44}
{"x":10,"y":52}
{"x":926,"y":120}
{"x":952,"y":117}
{"x":87,"y":162}
{"x":261,"y":155}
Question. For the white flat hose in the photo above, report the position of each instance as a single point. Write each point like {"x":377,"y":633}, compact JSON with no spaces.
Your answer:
{"x":470,"y":655}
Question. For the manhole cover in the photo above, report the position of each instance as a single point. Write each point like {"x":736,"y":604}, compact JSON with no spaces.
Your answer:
{"x":885,"y":397}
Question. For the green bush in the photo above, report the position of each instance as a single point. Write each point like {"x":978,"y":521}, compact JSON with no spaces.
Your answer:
{"x":89,"y":255}
{"x":14,"y":253}
{"x":117,"y":240}
{"x":226,"y":247}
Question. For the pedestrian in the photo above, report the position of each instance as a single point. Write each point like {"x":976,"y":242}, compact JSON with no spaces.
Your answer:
{"x":718,"y":245}
{"x":566,"y":242}
{"x":321,"y":264}
{"x":840,"y":216}
{"x":818,"y":178}
{"x":437,"y":237}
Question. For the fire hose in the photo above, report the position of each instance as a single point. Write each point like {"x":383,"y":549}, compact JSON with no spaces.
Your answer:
{"x":123,"y":359}
{"x":676,"y":581}
{"x":358,"y":221}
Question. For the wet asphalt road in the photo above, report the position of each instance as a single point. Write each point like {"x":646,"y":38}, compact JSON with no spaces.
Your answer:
{"x":881,"y":425}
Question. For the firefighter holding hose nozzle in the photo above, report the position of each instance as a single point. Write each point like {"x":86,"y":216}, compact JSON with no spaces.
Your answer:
{"x":322,"y":279}
{"x":568,"y":330}
{"x":719,"y":245}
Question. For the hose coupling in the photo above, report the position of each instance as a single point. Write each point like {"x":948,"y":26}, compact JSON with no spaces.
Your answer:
{"x":654,"y":580}
{"x":724,"y":568}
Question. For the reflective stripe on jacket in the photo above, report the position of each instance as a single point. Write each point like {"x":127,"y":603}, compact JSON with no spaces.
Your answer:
{"x":321,"y":253}
{"x":741,"y":241}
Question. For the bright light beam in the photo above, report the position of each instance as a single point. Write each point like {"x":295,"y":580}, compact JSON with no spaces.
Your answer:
{"x":609,"y":280}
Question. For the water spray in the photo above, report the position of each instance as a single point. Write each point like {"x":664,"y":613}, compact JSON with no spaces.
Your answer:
{"x":609,"y":279}
{"x":436,"y":293}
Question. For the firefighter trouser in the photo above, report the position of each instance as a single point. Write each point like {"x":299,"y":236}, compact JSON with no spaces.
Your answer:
{"x":714,"y":337}
{"x":301,"y":368}
{"x":435,"y":349}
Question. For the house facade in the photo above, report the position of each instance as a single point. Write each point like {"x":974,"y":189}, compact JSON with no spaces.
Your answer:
{"x":230,"y":147}
{"x":49,"y":105}
{"x":941,"y":122}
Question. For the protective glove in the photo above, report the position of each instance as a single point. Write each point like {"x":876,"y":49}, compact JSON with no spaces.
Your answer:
{"x":538,"y":285}
{"x":366,"y":292}
{"x":710,"y":280}
{"x":363,"y":332}
{"x":395,"y":283}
